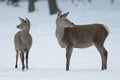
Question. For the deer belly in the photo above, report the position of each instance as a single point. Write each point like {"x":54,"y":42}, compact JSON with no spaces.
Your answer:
{"x":83,"y":45}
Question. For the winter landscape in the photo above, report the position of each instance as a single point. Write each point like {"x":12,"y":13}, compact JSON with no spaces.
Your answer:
{"x":46,"y":58}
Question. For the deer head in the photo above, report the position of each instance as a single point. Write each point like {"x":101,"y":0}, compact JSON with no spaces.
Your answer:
{"x":24,"y":25}
{"x":62,"y":21}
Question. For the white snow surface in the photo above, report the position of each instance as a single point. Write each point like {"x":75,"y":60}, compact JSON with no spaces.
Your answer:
{"x":46,"y":58}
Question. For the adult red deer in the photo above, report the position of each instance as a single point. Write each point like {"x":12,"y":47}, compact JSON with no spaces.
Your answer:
{"x":70,"y":35}
{"x":23,"y":42}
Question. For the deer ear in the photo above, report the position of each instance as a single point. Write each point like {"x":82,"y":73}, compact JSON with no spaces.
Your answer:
{"x":65,"y":14}
{"x":59,"y":13}
{"x":21,"y":19}
{"x":27,"y":21}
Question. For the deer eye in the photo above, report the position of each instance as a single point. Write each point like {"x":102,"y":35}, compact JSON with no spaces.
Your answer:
{"x":72,"y":23}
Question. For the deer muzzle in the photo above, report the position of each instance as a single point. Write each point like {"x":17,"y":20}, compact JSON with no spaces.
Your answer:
{"x":17,"y":26}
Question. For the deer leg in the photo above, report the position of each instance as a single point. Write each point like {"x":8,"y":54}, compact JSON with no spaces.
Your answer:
{"x":16,"y":59}
{"x":68,"y":56}
{"x":27,"y":59}
{"x":22,"y":60}
{"x":103,"y":54}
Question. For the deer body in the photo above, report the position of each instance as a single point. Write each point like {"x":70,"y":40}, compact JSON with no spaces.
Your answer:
{"x":77,"y":36}
{"x":23,"y":42}
{"x":71,"y":36}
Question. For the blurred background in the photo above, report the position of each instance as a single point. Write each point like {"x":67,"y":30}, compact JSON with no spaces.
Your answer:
{"x":54,"y":4}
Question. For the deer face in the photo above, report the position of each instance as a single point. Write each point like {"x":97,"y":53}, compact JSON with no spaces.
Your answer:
{"x":62,"y":21}
{"x":24,"y":25}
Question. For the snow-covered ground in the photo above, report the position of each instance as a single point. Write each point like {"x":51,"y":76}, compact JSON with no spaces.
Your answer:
{"x":47,"y":58}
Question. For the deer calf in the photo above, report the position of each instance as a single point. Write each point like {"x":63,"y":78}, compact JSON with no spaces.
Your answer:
{"x":23,"y":42}
{"x":71,"y":36}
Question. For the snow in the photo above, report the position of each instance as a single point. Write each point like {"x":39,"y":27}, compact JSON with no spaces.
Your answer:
{"x":47,"y":58}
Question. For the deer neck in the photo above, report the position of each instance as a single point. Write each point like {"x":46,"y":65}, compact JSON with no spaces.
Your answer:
{"x":26,"y":31}
{"x":59,"y":32}
{"x":24,"y":35}
{"x":59,"y":35}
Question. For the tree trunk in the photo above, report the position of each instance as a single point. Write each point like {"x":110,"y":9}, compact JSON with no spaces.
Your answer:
{"x":112,"y":1}
{"x":31,"y":6}
{"x":72,"y":1}
{"x":89,"y":1}
{"x":53,"y":8}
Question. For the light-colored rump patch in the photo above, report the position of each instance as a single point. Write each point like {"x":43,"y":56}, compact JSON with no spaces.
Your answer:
{"x":106,"y":28}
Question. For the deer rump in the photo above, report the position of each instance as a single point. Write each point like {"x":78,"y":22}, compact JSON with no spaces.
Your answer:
{"x":83,"y":36}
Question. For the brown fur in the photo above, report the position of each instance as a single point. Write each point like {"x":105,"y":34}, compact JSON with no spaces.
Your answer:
{"x":81,"y":36}
{"x":23,"y":42}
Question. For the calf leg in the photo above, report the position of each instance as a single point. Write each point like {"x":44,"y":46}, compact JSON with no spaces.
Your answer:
{"x":16,"y":59}
{"x":22,"y":60}
{"x":27,"y":59}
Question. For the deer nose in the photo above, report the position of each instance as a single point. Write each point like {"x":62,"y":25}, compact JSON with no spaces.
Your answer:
{"x":17,"y":26}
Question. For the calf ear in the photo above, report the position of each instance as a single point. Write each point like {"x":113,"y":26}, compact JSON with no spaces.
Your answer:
{"x":27,"y":21}
{"x":21,"y":19}
{"x":65,"y":14}
{"x":59,"y":13}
